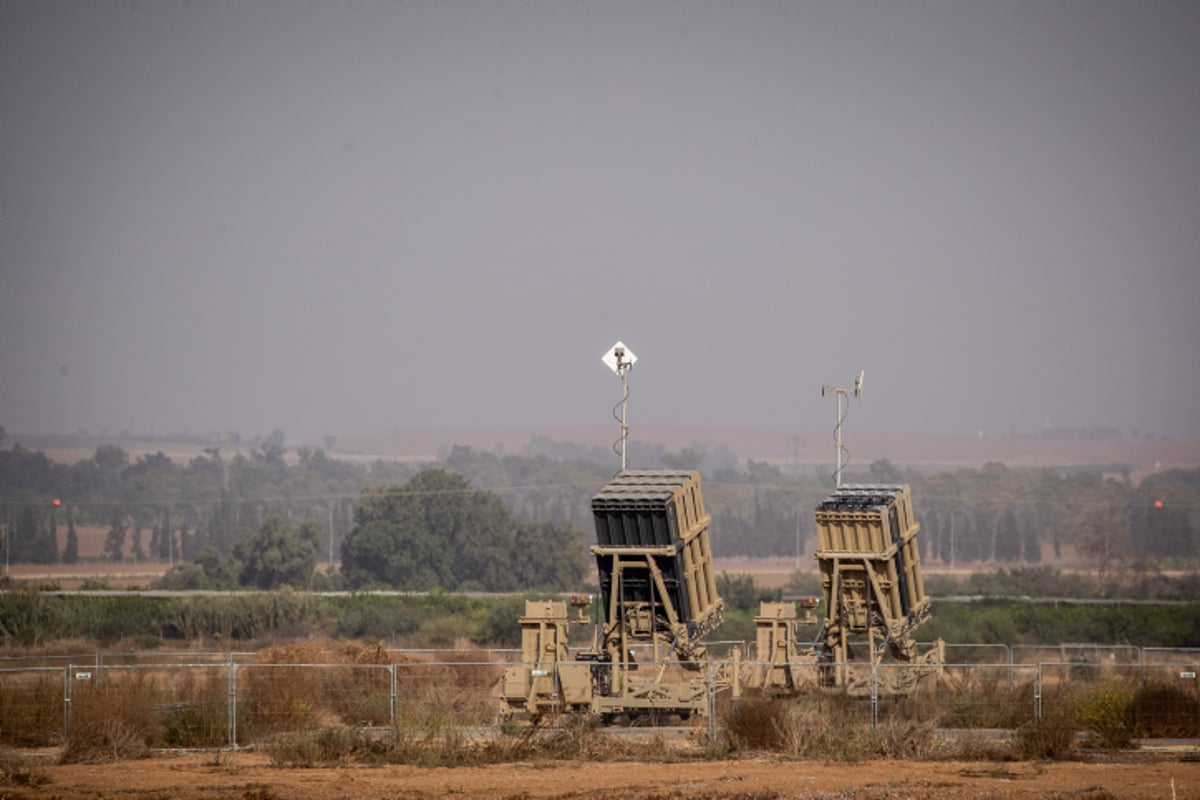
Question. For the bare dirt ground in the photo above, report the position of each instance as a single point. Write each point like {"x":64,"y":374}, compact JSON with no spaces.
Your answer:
{"x":250,"y":776}
{"x":124,"y":575}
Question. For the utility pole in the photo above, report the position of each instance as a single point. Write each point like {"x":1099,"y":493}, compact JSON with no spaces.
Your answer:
{"x":330,"y":510}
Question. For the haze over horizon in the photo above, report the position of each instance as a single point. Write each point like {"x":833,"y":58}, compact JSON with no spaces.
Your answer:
{"x":359,"y":216}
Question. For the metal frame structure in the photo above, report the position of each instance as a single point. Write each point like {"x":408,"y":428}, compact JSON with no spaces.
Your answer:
{"x":657,"y":589}
{"x":871,"y":576}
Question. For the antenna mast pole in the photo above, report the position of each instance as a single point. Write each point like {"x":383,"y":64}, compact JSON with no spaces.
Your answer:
{"x":620,"y":359}
{"x":841,"y":416}
{"x":623,"y":370}
{"x":837,"y":437}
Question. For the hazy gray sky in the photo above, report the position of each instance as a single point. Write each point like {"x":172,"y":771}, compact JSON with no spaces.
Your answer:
{"x":351,"y":216}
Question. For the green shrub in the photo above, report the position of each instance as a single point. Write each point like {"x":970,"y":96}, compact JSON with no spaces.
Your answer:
{"x":445,"y":631}
{"x":1104,"y":713}
{"x":29,"y":618}
{"x":739,"y":592}
{"x":200,"y":716}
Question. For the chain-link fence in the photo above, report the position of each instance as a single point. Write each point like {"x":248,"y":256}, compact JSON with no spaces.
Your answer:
{"x":229,"y":701}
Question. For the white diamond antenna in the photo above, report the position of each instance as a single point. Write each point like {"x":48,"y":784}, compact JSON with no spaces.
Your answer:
{"x":619,"y":357}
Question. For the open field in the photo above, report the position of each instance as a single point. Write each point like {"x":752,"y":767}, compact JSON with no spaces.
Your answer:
{"x":119,"y":575}
{"x":250,"y":775}
{"x":124,"y":575}
{"x":767,"y":573}
{"x":445,"y":715}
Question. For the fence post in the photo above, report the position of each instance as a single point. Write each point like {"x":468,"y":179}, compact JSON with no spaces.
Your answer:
{"x":67,"y":702}
{"x":874,"y":695}
{"x":712,"y":705}
{"x":394,"y":701}
{"x":1037,"y":693}
{"x":231,"y":682}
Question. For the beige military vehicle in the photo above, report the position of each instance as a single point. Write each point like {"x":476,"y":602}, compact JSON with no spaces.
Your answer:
{"x":658,"y":596}
{"x":873,"y":592}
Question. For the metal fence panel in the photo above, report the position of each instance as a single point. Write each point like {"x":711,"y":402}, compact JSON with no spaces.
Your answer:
{"x":1087,"y":653}
{"x":959,"y":696}
{"x":446,"y":694}
{"x":1115,"y":703}
{"x":231,"y":704}
{"x":164,"y":706}
{"x":1170,"y":655}
{"x":276,"y":698}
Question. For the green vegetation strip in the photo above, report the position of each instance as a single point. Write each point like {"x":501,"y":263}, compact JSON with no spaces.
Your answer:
{"x":32,"y":618}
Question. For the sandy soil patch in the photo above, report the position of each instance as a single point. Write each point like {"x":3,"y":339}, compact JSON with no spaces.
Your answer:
{"x":250,"y":775}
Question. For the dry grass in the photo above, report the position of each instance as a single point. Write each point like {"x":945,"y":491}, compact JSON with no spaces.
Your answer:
{"x":1165,"y":710}
{"x":124,"y":713}
{"x":33,"y":710}
{"x":278,"y":697}
{"x":577,"y":739}
{"x":1051,"y":737}
{"x":199,"y":715}
{"x":984,"y":699}
{"x":114,"y":720}
{"x":453,"y":690}
{"x":827,"y":727}
{"x":15,"y":771}
{"x":325,"y":702}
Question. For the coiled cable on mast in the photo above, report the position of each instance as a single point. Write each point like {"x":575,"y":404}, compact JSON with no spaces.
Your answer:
{"x":845,"y":451}
{"x":616,"y":447}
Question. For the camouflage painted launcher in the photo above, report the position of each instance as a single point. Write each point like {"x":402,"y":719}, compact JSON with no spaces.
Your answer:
{"x":870,"y":566}
{"x":654,"y":559}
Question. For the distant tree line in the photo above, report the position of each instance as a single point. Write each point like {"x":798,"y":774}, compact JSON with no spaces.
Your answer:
{"x":264,"y":520}
{"x":438,"y":532}
{"x":477,"y":519}
{"x":155,"y":509}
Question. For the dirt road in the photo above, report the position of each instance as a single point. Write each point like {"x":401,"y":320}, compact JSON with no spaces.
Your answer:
{"x":250,"y":776}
